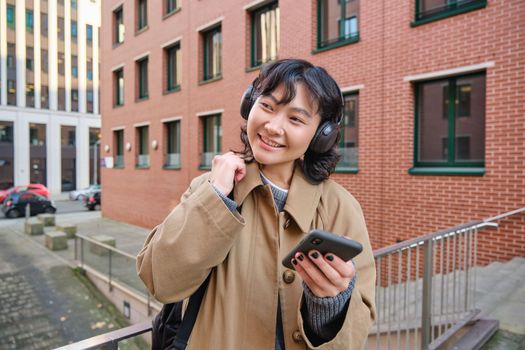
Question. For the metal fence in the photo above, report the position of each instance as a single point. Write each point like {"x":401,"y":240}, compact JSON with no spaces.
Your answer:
{"x":424,"y":288}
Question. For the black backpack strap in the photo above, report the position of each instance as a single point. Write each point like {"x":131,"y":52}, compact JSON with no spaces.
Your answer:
{"x":190,"y":316}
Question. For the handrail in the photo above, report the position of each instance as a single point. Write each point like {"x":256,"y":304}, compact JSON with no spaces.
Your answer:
{"x":111,"y":338}
{"x":91,"y":240}
{"x":504,"y":215}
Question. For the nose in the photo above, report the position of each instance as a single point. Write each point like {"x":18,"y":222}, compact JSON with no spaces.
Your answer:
{"x":274,"y":126}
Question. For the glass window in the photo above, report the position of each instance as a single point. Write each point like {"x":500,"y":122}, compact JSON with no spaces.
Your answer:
{"x":142,"y":14}
{"x":74,"y":4}
{"x":172,"y":5}
{"x":94,"y":155}
{"x":338,"y":22}
{"x":74,"y":66}
{"x":11,"y":73}
{"x":173,"y":67}
{"x":68,"y":158}
{"x":212,"y":40}
{"x":118,"y":22}
{"x":37,"y":153}
{"x":89,"y":98}
{"x":451,"y":122}
{"x":172,"y":132}
{"x":348,"y":145}
{"x":142,"y":147}
{"x":89,"y":33}
{"x":265,"y":34}
{"x":60,"y":28}
{"x":74,"y":100}
{"x":6,"y":155}
{"x":11,"y":23}
{"x":30,"y":77}
{"x":142,"y":75}
{"x":29,"y":21}
{"x":118,"y":77}
{"x":428,"y":9}
{"x":43,"y":24}
{"x":74,"y":31}
{"x":118,"y":139}
{"x":212,"y":134}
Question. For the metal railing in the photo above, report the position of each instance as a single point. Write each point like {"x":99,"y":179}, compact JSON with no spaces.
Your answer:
{"x":424,"y":288}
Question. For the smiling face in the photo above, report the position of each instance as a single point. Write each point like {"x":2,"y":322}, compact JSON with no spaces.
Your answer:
{"x":279,"y":134}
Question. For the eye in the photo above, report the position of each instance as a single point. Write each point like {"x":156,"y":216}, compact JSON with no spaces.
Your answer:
{"x":266,"y":106}
{"x":296,"y":120}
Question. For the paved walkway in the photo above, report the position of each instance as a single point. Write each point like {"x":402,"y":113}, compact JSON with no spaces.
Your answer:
{"x":44,"y":304}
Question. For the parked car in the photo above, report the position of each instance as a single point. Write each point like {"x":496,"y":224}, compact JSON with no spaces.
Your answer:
{"x":92,"y":201}
{"x":83,"y":193}
{"x":35,"y":188}
{"x":15,"y":204}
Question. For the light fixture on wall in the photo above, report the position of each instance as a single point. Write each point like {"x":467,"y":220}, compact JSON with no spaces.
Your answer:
{"x":128,"y":146}
{"x":155,"y":144}
{"x":106,"y":148}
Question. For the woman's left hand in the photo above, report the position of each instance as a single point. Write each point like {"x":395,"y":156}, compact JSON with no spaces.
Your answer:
{"x":327,"y":275}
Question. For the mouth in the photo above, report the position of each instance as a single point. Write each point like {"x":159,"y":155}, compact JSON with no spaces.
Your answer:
{"x":269,"y":142}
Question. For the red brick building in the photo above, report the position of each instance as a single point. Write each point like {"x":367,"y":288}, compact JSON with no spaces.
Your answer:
{"x":435,"y":103}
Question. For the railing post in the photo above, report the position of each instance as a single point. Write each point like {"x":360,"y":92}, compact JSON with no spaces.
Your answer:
{"x":28,"y":212}
{"x":76,"y":253}
{"x":109,"y":272}
{"x":82,"y":253}
{"x":426,"y":315}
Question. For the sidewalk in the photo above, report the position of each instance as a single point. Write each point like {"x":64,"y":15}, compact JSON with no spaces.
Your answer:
{"x":44,"y":303}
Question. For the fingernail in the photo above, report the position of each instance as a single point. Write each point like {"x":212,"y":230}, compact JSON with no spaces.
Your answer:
{"x":294,"y":261}
{"x":314,"y":255}
{"x":300,"y":257}
{"x":330,"y":257}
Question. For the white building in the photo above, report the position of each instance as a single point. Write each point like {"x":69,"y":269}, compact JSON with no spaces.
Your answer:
{"x":49,"y":93}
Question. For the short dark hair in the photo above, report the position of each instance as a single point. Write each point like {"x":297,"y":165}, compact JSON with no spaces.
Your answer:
{"x":323,"y":90}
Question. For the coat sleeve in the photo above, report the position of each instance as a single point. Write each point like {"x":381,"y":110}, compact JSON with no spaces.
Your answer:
{"x":345,"y":217}
{"x":197,"y":235}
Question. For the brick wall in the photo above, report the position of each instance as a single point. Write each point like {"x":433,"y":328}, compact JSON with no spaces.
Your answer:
{"x":397,"y":205}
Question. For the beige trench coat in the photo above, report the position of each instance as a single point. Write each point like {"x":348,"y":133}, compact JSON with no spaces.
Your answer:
{"x":240,"y":304}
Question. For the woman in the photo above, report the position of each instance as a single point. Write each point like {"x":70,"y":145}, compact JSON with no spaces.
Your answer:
{"x":238,"y":221}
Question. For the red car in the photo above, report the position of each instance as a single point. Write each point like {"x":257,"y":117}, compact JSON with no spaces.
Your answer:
{"x":35,"y":188}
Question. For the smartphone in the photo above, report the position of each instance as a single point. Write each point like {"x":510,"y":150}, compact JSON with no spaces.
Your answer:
{"x":325,"y":242}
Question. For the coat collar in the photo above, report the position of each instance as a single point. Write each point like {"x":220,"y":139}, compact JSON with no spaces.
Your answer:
{"x":303,"y":197}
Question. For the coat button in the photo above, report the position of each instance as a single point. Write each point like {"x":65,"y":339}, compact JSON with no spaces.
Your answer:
{"x":288,"y":276}
{"x":287,"y":223}
{"x":297,"y":337}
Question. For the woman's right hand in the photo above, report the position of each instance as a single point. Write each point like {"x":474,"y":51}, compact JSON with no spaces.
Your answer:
{"x":226,"y":170}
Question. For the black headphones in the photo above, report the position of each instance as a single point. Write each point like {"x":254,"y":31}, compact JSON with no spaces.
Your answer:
{"x":326,"y":135}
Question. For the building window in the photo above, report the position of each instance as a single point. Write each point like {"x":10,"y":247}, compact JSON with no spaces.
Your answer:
{"x":118,"y":25}
{"x":74,"y":66}
{"x":7,"y":153}
{"x":89,"y":98}
{"x":37,"y":154}
{"x":69,"y":156}
{"x":43,"y":24}
{"x":11,"y":17}
{"x":89,"y":33}
{"x":118,"y":139}
{"x":338,"y":22}
{"x":450,"y":122}
{"x":428,"y":10}
{"x":74,"y":4}
{"x":348,"y":145}
{"x":74,"y":100}
{"x":265,"y":34}
{"x":173,"y":67}
{"x":212,"y":133}
{"x":142,"y":14}
{"x":142,"y":147}
{"x":171,"y":6}
{"x":142,"y":77}
{"x":212,"y":40}
{"x":118,"y":81}
{"x":172,"y":132}
{"x":74,"y":31}
{"x":29,"y":21}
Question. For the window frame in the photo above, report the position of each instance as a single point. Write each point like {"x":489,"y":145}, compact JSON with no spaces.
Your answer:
{"x":142,"y":137}
{"x":451,"y":166}
{"x":351,"y":168}
{"x":118,"y":14}
{"x":169,"y":140}
{"x":208,"y":33}
{"x":117,"y":74}
{"x":167,"y":11}
{"x":172,"y":86}
{"x":217,"y":123}
{"x":320,"y":47}
{"x":118,"y":137}
{"x":142,"y":93}
{"x":141,"y":26}
{"x":451,"y":10}
{"x":274,"y":5}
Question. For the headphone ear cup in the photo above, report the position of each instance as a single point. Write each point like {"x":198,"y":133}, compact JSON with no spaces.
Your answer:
{"x":325,"y":137}
{"x":247,"y":102}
